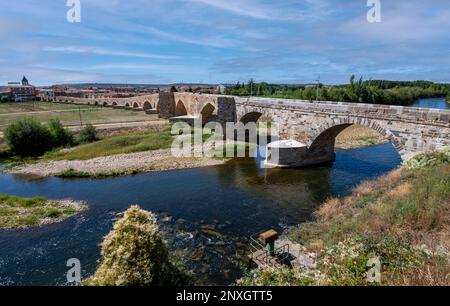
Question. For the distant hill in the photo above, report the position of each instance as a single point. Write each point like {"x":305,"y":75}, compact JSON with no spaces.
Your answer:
{"x":107,"y":85}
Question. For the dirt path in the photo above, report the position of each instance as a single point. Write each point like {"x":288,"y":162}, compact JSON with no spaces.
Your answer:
{"x":39,"y":112}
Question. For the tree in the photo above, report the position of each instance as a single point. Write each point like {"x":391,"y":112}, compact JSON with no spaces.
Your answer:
{"x":88,"y":134}
{"x":133,"y":253}
{"x":28,"y":137}
{"x":173,"y":89}
{"x":61,"y":136}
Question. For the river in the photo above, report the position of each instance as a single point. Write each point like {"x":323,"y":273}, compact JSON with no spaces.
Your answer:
{"x":439,"y":103}
{"x":206,"y":214}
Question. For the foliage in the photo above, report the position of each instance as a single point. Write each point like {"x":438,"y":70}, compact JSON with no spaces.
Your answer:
{"x":346,"y":264}
{"x":279,"y":277}
{"x":428,"y":159}
{"x":18,"y":212}
{"x":88,"y":134}
{"x":359,"y":91}
{"x":133,"y":253}
{"x":62,"y":137}
{"x":173,"y":89}
{"x":27,"y":137}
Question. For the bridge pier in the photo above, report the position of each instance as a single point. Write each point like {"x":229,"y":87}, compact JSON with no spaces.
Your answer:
{"x":293,"y":154}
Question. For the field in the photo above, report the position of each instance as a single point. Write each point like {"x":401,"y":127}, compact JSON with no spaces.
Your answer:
{"x":68,"y":114}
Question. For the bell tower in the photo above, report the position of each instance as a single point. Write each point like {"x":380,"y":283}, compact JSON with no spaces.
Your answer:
{"x":25,"y":81}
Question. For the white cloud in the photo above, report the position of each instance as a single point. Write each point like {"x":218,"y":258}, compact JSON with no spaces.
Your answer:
{"x":213,"y":41}
{"x":101,"y":51}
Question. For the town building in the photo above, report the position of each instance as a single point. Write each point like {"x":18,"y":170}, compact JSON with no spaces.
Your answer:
{"x":22,"y":91}
{"x":46,"y":94}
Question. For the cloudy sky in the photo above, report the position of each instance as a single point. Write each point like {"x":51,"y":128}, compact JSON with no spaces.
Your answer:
{"x":164,"y":41}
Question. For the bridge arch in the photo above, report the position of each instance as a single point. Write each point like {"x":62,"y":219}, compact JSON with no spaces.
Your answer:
{"x":114,"y":104}
{"x":207,"y":112}
{"x":147,"y":106}
{"x":251,"y":117}
{"x":135,"y":105}
{"x":180,"y":109}
{"x":323,"y":141}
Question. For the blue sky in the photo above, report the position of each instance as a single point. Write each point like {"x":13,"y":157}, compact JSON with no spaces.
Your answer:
{"x":215,"y":41}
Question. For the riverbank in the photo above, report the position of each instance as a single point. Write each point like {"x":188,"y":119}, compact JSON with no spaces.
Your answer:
{"x":401,"y":221}
{"x":118,"y":152}
{"x":18,"y":212}
{"x":357,"y":136}
{"x":114,"y":165}
{"x":135,"y":151}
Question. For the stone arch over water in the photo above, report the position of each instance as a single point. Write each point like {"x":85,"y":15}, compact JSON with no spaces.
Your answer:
{"x":323,"y":142}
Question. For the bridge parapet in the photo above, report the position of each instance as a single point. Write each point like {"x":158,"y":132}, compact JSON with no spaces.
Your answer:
{"x":436,"y":117}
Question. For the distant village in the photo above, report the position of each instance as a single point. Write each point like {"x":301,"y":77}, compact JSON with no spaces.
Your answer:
{"x":24,"y":91}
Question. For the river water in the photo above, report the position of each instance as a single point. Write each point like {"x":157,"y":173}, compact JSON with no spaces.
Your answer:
{"x":206,"y":214}
{"x":439,"y":103}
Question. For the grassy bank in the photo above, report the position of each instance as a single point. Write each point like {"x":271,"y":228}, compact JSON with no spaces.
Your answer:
{"x":118,"y":144}
{"x":18,"y":212}
{"x":356,"y":136}
{"x":403,"y":219}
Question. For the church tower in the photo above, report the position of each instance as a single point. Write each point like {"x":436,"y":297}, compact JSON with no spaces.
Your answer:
{"x":25,"y":81}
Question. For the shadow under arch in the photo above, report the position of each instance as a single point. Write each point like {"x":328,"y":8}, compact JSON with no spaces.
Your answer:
{"x":147,"y":106}
{"x":207,"y":113}
{"x":180,"y":109}
{"x":251,"y":117}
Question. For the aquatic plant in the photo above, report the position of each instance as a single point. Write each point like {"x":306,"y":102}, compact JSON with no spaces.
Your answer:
{"x":134,"y":254}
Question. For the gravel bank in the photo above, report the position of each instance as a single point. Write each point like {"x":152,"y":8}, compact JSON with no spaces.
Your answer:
{"x":160,"y":160}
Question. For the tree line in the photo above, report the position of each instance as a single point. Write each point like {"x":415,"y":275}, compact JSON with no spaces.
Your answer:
{"x":357,"y":90}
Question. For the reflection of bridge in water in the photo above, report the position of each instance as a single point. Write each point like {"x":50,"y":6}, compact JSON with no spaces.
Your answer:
{"x":311,"y":126}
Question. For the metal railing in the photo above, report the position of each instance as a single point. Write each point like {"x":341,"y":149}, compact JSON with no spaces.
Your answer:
{"x":282,"y":253}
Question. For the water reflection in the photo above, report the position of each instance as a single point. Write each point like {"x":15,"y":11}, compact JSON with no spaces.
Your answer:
{"x":206,"y":214}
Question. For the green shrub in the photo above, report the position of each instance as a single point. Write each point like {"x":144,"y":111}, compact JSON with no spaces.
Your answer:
{"x":61,"y":136}
{"x":27,"y":137}
{"x":88,"y":134}
{"x":133,"y":253}
{"x":423,"y":160}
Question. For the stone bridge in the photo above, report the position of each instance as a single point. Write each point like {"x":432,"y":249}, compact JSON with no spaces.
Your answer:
{"x":310,"y":126}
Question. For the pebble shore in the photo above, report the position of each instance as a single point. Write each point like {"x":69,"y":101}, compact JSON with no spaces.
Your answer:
{"x":149,"y":161}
